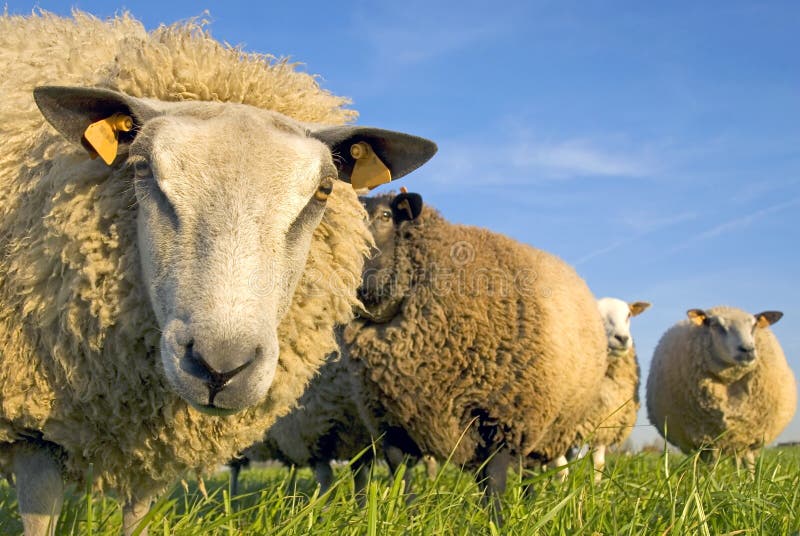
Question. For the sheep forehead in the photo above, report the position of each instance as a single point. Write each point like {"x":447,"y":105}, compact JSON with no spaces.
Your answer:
{"x":375,"y":205}
{"x":735,"y":320}
{"x":614,"y":313}
{"x":231,"y":149}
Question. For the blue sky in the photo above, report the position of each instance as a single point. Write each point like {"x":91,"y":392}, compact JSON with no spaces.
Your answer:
{"x":656,"y":146}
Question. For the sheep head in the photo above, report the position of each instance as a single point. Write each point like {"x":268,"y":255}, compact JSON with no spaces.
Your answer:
{"x":379,"y":290}
{"x":732,"y":333}
{"x":617,"y":316}
{"x":228,"y":197}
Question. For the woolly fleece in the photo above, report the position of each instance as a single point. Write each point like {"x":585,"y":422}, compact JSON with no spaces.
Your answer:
{"x":324,"y":426}
{"x":749,"y":406}
{"x":492,"y":340}
{"x":616,"y":404}
{"x":79,"y":363}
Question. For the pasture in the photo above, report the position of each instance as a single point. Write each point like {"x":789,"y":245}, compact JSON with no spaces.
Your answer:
{"x":645,"y":493}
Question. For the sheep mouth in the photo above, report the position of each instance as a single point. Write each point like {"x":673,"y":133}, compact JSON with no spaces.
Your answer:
{"x":746,"y":359}
{"x":211,"y":409}
{"x":617,"y":350}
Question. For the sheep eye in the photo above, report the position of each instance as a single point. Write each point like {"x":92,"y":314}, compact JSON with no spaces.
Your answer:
{"x":386,"y":215}
{"x":324,"y":189}
{"x":141,"y":168}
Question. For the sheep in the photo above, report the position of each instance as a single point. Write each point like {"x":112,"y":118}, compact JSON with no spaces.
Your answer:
{"x":161,"y":306}
{"x":616,"y":398}
{"x":471,"y":344}
{"x":719,"y":383}
{"x":616,"y":402}
{"x":325,"y":426}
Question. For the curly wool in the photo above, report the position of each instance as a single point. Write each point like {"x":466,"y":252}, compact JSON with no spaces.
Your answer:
{"x":736,"y":410}
{"x":491,"y":342}
{"x":616,"y":404}
{"x":79,"y":358}
{"x":324,"y":426}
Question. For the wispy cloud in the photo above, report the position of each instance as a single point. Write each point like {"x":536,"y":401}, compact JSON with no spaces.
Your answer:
{"x":734,"y":224}
{"x":521,"y":162}
{"x":397,"y":34}
{"x":577,"y":157}
{"x":646,"y":226}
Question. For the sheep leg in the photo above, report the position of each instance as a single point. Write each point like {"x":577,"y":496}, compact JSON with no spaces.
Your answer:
{"x":493,"y":481}
{"x":361,"y":469}
{"x":40,"y":490}
{"x":132,"y":513}
{"x":431,"y":466}
{"x":599,"y":462}
{"x":563,"y":470}
{"x":395,"y":457}
{"x":324,"y":474}
{"x":572,"y":453}
{"x":235,"y":469}
{"x":750,"y":462}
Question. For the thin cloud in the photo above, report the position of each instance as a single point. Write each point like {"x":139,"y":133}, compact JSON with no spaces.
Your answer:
{"x":522,"y":163}
{"x":647,"y":226}
{"x":734,"y":224}
{"x":395,"y":33}
{"x":572,"y":158}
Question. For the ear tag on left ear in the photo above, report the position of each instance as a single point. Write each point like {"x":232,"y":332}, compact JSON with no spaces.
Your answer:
{"x":368,"y":171}
{"x":103,"y":137}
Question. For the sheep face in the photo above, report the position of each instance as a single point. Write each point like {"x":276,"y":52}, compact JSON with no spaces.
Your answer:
{"x":616,"y":316}
{"x":379,"y":267}
{"x":732,"y":334}
{"x":379,"y":289}
{"x":228,"y":197}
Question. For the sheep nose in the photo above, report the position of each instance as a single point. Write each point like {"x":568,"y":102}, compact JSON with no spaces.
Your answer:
{"x":747,"y":354}
{"x":623,"y":339}
{"x":215,"y":380}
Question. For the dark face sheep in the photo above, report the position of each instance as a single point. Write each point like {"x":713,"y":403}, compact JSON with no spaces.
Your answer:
{"x":228,"y":198}
{"x":733,"y":334}
{"x":379,"y":290}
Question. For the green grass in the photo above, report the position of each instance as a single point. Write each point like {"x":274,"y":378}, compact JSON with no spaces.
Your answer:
{"x":641,"y":494}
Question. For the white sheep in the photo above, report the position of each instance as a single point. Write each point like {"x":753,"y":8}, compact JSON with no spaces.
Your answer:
{"x":157,"y":314}
{"x":719,"y":382}
{"x":616,"y":405}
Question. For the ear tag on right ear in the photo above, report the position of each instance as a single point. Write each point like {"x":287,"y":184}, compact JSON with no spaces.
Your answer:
{"x":102,"y":136}
{"x":368,"y":171}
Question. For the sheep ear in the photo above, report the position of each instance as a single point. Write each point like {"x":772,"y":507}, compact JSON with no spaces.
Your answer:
{"x":98,"y":119}
{"x":637,"y":308}
{"x":767,"y":318}
{"x":406,"y":207}
{"x":698,"y":317}
{"x":367,"y":157}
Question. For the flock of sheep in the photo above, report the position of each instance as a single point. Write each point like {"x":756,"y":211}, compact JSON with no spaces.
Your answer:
{"x":165,"y":306}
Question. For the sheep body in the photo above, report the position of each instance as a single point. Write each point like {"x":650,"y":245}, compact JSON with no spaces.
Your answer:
{"x":79,"y":344}
{"x":480,"y":342}
{"x":695,"y":400}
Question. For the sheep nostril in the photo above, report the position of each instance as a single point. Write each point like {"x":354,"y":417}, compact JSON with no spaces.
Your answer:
{"x":623,"y":339}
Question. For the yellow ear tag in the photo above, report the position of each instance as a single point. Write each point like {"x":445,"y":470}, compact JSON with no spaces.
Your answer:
{"x":102,"y":136}
{"x":369,"y":171}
